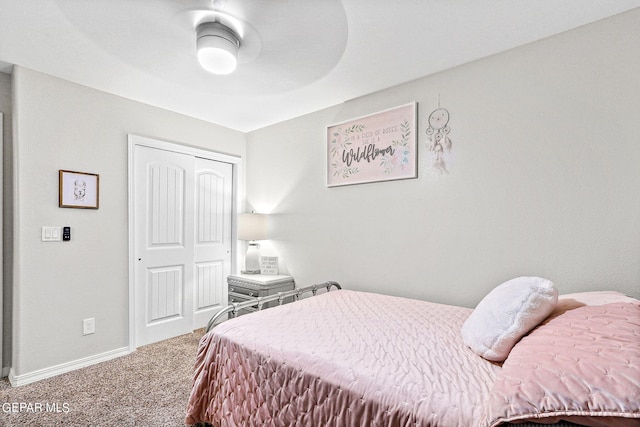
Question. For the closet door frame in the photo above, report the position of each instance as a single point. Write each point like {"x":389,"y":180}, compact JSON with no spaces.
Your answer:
{"x":237,"y":165}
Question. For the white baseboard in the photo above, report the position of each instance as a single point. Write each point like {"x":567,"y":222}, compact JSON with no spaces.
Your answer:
{"x":41,"y":374}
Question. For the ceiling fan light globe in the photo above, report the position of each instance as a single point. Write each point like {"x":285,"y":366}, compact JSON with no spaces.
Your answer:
{"x":216,"y":60}
{"x":217,"y":48}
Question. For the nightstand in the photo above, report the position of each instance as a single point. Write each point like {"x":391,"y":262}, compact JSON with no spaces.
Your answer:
{"x":245,"y":287}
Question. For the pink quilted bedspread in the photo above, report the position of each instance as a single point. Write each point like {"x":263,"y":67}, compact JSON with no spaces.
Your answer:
{"x":362,"y":359}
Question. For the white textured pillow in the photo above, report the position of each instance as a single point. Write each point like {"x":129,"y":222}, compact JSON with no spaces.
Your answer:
{"x":506,"y":314}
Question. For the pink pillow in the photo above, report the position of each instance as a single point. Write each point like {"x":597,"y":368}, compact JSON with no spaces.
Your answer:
{"x":582,"y":366}
{"x":506,"y":314}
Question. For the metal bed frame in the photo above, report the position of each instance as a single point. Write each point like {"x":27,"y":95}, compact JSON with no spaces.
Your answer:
{"x":234,"y":308}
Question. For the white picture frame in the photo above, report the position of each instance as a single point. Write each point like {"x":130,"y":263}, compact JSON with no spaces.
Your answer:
{"x":269,"y":265}
{"x":377,"y":147}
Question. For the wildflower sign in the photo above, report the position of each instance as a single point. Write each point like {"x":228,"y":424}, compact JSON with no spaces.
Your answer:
{"x":377,"y":147}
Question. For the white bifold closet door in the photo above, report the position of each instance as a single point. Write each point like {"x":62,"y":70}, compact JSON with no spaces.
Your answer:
{"x":182,"y":240}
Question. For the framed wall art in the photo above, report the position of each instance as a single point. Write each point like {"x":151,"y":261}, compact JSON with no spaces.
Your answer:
{"x":377,"y":147}
{"x":79,"y":190}
{"x":268,"y":265}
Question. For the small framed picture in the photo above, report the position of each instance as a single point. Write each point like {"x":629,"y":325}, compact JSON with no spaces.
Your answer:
{"x":79,"y":190}
{"x":269,"y":265}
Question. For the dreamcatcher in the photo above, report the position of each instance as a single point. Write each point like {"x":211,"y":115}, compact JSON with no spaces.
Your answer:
{"x":439,"y":142}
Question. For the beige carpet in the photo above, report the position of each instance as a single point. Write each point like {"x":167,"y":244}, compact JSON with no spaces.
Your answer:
{"x":149,"y":387}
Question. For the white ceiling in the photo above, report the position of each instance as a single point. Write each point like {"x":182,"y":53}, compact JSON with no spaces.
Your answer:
{"x":297,"y":56}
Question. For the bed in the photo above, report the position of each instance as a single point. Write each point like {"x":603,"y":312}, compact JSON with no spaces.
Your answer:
{"x":347,"y":358}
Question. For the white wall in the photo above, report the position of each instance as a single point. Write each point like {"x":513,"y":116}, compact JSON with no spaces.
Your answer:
{"x":61,"y":125}
{"x":545,"y":179}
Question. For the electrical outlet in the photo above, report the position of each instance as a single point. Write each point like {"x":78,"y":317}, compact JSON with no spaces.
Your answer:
{"x":89,"y":326}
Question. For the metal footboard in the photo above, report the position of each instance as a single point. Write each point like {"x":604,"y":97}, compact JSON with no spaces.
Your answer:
{"x":232,"y":309}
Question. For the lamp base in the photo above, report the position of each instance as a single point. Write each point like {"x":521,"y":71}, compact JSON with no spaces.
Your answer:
{"x":252,"y":259}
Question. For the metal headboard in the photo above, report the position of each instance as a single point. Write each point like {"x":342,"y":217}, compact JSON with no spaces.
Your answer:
{"x":232,"y":309}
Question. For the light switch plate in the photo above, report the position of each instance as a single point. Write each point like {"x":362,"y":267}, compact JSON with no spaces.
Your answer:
{"x":51,"y":234}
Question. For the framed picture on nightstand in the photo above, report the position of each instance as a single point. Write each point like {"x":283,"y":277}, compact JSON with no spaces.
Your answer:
{"x":269,"y":265}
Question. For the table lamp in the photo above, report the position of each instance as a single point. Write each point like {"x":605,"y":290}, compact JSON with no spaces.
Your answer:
{"x":252,"y":227}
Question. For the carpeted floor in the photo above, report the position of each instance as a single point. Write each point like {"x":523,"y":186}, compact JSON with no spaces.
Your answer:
{"x":149,"y":387}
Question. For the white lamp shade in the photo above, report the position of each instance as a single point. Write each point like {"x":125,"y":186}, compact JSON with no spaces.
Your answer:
{"x":252,"y":227}
{"x":217,"y":47}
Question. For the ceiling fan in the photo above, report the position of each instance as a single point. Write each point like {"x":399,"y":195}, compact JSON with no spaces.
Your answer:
{"x":269,"y":46}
